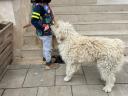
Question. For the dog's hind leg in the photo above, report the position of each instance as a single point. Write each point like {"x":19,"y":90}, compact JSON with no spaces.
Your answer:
{"x":70,"y":70}
{"x":108,"y":68}
{"x":107,"y":73}
{"x":110,"y":80}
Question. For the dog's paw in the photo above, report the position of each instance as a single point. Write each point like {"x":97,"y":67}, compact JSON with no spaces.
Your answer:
{"x":107,"y":89}
{"x":67,"y":78}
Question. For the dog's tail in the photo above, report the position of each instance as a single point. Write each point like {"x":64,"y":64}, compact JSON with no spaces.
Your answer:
{"x":120,"y":45}
{"x":123,"y":48}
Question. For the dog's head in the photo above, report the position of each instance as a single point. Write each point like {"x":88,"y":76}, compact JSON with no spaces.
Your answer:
{"x":62,"y":30}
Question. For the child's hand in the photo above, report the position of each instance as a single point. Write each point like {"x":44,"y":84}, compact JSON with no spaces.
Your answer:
{"x":28,"y":25}
{"x":46,"y":27}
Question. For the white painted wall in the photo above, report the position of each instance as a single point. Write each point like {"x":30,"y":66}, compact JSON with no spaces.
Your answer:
{"x":6,"y":11}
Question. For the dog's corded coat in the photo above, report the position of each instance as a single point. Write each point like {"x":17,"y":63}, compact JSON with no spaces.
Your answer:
{"x":76,"y":49}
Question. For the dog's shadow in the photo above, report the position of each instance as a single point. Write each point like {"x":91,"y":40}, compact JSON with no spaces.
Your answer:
{"x":58,"y":59}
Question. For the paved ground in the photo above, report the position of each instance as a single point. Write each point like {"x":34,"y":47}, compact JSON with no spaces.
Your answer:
{"x":33,"y":80}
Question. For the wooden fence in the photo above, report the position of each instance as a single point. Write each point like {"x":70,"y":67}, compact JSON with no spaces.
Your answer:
{"x":6,"y":45}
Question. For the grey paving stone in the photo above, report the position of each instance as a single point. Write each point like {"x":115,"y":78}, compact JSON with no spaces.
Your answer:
{"x":37,"y":65}
{"x":18,"y":66}
{"x":13,"y":78}
{"x":88,"y":90}
{"x":122,"y":76}
{"x":119,"y":90}
{"x":125,"y":67}
{"x":21,"y":92}
{"x":55,"y":91}
{"x":92,"y":75}
{"x":62,"y":70}
{"x":76,"y":80}
{"x":1,"y":91}
{"x":39,"y":77}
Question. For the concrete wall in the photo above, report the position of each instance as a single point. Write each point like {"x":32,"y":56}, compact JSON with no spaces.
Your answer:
{"x":21,"y":12}
{"x":16,"y":11}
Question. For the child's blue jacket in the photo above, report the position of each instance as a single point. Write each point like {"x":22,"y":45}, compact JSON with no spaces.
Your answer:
{"x":41,"y":14}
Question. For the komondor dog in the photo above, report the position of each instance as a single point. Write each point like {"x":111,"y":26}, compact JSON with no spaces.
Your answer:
{"x":76,"y":49}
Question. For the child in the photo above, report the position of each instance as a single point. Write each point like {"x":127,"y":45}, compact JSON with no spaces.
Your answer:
{"x":42,"y":18}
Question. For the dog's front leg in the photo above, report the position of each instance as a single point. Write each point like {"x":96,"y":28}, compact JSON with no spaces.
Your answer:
{"x":70,"y":70}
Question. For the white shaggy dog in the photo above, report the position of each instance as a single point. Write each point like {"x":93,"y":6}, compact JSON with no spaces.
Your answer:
{"x":76,"y":49}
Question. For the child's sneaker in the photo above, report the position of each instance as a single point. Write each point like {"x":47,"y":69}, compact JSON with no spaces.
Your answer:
{"x":52,"y":66}
{"x":44,"y":61}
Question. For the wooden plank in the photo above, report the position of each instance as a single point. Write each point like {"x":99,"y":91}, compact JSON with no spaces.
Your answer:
{"x":5,"y":54}
{"x":94,"y":17}
{"x":104,"y":33}
{"x":8,"y":35}
{"x":2,"y":26}
{"x":5,"y":64}
{"x":112,"y":2}
{"x":1,"y":40}
{"x":55,"y":91}
{"x":7,"y":28}
{"x":3,"y":46}
{"x":8,"y":38}
{"x":101,"y":26}
{"x":30,"y":40}
{"x":6,"y":50}
{"x":89,"y":8}
{"x":73,"y":2}
{"x":5,"y":38}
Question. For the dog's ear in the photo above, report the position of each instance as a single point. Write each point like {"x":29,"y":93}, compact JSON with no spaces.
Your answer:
{"x":56,"y":24}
